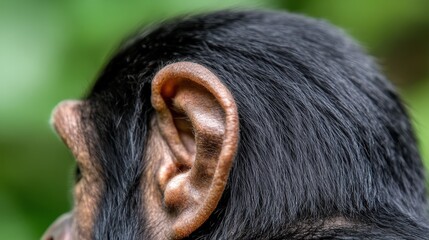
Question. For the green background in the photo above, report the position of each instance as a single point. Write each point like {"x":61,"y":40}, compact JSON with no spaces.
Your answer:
{"x":53,"y":50}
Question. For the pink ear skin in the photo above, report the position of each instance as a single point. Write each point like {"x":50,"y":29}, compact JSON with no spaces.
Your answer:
{"x":61,"y":229}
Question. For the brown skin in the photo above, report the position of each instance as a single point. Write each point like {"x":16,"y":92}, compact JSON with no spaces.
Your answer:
{"x":191,"y":147}
{"x":78,"y":223}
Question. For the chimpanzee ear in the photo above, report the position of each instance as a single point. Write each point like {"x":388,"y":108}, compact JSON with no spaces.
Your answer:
{"x":197,"y":117}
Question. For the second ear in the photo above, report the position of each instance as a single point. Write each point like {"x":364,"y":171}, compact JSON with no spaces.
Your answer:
{"x":197,"y":118}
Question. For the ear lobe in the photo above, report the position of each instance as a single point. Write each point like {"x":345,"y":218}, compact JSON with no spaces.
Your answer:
{"x":198,"y":119}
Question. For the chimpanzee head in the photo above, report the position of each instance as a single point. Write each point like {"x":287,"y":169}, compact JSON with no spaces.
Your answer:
{"x":242,"y":125}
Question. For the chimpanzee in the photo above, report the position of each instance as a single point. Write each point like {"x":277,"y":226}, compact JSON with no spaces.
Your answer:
{"x":242,"y":124}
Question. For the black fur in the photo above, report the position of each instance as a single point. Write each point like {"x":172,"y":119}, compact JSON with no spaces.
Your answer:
{"x":322,"y":132}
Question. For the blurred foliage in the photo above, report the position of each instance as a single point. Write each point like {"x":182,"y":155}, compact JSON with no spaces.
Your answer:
{"x":52,"y":50}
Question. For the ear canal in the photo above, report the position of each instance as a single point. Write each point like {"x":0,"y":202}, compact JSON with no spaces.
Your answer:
{"x":197,"y":117}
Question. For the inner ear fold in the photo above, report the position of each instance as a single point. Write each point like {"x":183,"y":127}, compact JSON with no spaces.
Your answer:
{"x":198,"y":119}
